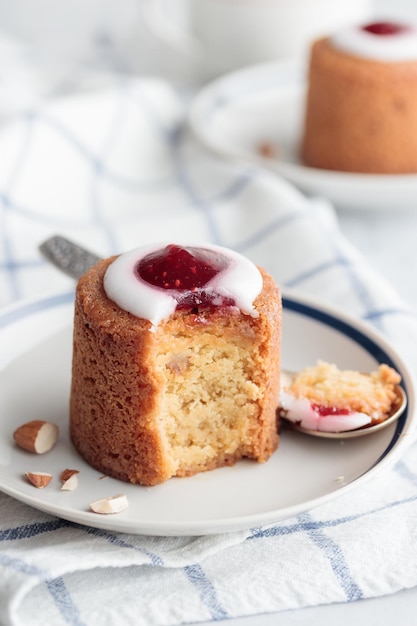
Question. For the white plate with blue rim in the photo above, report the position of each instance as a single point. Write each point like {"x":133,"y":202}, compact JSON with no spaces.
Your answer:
{"x":256,"y":114}
{"x":35,"y":364}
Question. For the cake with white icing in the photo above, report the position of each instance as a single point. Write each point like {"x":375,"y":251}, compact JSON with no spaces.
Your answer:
{"x":361,"y":103}
{"x":175,"y":362}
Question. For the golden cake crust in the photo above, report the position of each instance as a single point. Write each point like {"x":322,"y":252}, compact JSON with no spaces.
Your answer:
{"x":124,"y":373}
{"x":361,"y":115}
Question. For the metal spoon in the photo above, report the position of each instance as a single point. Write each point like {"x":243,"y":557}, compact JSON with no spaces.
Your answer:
{"x":68,"y":256}
{"x":74,"y":260}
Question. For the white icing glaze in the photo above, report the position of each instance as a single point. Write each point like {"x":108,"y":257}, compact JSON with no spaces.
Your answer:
{"x":299,"y":411}
{"x":240,"y":280}
{"x":386,"y":48}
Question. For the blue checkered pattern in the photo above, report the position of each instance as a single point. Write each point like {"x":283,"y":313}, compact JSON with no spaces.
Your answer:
{"x":118,"y":169}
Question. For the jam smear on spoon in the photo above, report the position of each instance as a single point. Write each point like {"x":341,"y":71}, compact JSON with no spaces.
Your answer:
{"x":187,"y":271}
{"x":324,"y":411}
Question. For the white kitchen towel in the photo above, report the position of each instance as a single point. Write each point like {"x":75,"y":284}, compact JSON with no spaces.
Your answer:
{"x":113,"y":170}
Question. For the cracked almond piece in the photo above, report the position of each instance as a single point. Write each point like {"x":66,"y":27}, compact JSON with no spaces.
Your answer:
{"x":39,"y":479}
{"x":70,"y":483}
{"x":36,"y":436}
{"x":112,"y":504}
{"x":67,"y":473}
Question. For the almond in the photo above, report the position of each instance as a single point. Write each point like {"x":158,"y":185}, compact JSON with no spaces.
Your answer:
{"x":70,"y":483}
{"x":67,"y":473}
{"x":39,"y":479}
{"x":36,"y":436}
{"x":112,"y":504}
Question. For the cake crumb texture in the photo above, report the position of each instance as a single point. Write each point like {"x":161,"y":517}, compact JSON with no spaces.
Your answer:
{"x":326,"y":385}
{"x":197,"y":392}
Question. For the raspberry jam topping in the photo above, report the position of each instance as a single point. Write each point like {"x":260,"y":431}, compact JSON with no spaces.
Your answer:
{"x":186,"y":270}
{"x":325,"y":411}
{"x":152,"y":281}
{"x":385,"y":28}
{"x":180,"y":268}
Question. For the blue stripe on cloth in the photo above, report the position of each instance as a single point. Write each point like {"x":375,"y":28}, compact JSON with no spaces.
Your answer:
{"x":404,"y":471}
{"x":336,"y":559}
{"x":235,"y":188}
{"x":11,"y":268}
{"x":195,"y":573}
{"x":199,"y":203}
{"x":11,"y":275}
{"x":116,"y":540}
{"x":32,"y":530}
{"x":64,"y":602}
{"x":23,"y":151}
{"x":39,"y":528}
{"x":301,"y":526}
{"x":374,"y":315}
{"x":33,"y":215}
{"x":280,"y":222}
{"x":318,"y":269}
{"x":12,"y":265}
{"x":99,"y":166}
{"x":360,"y":288}
{"x":207,"y":592}
{"x":362,"y":292}
{"x":339,"y":260}
{"x":22,"y":567}
{"x":15,"y":314}
{"x":166,"y":131}
{"x":353,"y":269}
{"x":7,"y":208}
{"x":172,"y":138}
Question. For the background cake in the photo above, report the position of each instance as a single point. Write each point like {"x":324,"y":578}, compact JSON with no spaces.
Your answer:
{"x":175,"y":363}
{"x":361,"y":106}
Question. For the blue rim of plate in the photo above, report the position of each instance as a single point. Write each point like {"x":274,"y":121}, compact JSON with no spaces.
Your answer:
{"x":20,"y":311}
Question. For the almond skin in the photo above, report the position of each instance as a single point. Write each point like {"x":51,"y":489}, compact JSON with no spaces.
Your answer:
{"x":39,"y":479}
{"x":37,"y":436}
{"x":67,"y":473}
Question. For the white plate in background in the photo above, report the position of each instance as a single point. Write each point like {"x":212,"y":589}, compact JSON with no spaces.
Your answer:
{"x":264,"y":104}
